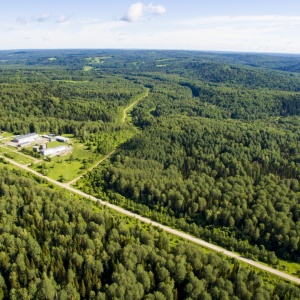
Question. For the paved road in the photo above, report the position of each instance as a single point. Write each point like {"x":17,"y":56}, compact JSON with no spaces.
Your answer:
{"x":166,"y":228}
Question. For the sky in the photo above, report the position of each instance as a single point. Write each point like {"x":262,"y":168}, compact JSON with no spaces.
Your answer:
{"x":214,"y":25}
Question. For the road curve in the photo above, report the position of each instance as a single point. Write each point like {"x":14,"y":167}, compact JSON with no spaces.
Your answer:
{"x":166,"y":228}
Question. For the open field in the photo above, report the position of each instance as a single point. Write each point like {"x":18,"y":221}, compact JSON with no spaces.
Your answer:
{"x":69,"y":166}
{"x":64,"y":170}
{"x":6,"y":134}
{"x":87,"y":68}
{"x":18,"y":157}
{"x":97,"y":59}
{"x":54,"y":144}
{"x":5,"y":149}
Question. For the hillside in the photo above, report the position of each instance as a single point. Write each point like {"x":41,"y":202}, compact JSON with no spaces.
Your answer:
{"x":55,"y":247}
{"x":213,"y":150}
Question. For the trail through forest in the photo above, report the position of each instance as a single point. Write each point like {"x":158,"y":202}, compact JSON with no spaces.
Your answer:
{"x":166,"y":228}
{"x":92,"y":167}
{"x":126,"y":109}
{"x":132,"y":105}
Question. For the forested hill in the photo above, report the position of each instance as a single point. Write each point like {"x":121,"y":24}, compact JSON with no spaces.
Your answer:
{"x":54,"y":247}
{"x":213,"y":149}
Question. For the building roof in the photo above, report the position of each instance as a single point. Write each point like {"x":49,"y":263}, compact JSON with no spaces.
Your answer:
{"x":53,"y":150}
{"x":20,"y":137}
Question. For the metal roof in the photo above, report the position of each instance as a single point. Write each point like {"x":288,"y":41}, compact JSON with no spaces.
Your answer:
{"x":26,"y":136}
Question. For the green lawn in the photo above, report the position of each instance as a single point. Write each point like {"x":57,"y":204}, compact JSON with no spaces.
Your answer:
{"x":24,"y":160}
{"x":6,"y":134}
{"x":94,"y":60}
{"x":54,"y":144}
{"x":80,"y":151}
{"x":61,"y":166}
{"x":288,"y":267}
{"x":7,"y":149}
{"x":3,"y":150}
{"x":66,"y":169}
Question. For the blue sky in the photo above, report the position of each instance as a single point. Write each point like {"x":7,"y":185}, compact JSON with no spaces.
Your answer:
{"x":222,"y":25}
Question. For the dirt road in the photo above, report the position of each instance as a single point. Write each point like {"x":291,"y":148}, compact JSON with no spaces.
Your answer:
{"x":91,"y":168}
{"x":166,"y":228}
{"x":133,"y":104}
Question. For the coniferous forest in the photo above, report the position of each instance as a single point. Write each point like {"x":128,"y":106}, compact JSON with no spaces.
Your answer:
{"x":54,"y":249}
{"x":212,"y":149}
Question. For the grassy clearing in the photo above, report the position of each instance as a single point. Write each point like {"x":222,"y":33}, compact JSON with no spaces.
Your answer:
{"x":11,"y":147}
{"x":73,"y":81}
{"x":94,"y":60}
{"x":288,"y":267}
{"x":87,"y":68}
{"x":69,"y":166}
{"x":81,"y":152}
{"x":97,"y":59}
{"x":64,"y":170}
{"x":4,"y":164}
{"x":54,"y":144}
{"x":5,"y":150}
{"x":12,"y":152}
{"x":19,"y":158}
{"x":6,"y":134}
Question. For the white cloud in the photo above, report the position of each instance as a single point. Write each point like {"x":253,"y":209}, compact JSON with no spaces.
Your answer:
{"x":62,"y":19}
{"x":155,"y":9}
{"x":139,"y":11}
{"x":240,"y":33}
{"x":42,"y":18}
{"x":134,"y":13}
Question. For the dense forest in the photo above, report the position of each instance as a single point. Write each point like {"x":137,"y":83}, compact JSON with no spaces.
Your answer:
{"x":212,"y":150}
{"x":54,"y":247}
{"x":237,"y":177}
{"x":70,"y":105}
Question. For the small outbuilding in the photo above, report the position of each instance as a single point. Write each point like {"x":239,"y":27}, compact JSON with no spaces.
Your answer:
{"x":62,"y":139}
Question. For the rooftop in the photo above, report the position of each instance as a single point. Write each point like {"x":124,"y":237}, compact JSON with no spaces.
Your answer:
{"x":26,"y":135}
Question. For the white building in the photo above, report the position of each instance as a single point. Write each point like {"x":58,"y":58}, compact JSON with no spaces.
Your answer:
{"x":53,"y":151}
{"x":30,"y":137}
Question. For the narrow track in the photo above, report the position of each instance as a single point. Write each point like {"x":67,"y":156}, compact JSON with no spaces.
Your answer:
{"x":126,"y":109}
{"x":92,"y":167}
{"x":133,"y":104}
{"x":166,"y":228}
